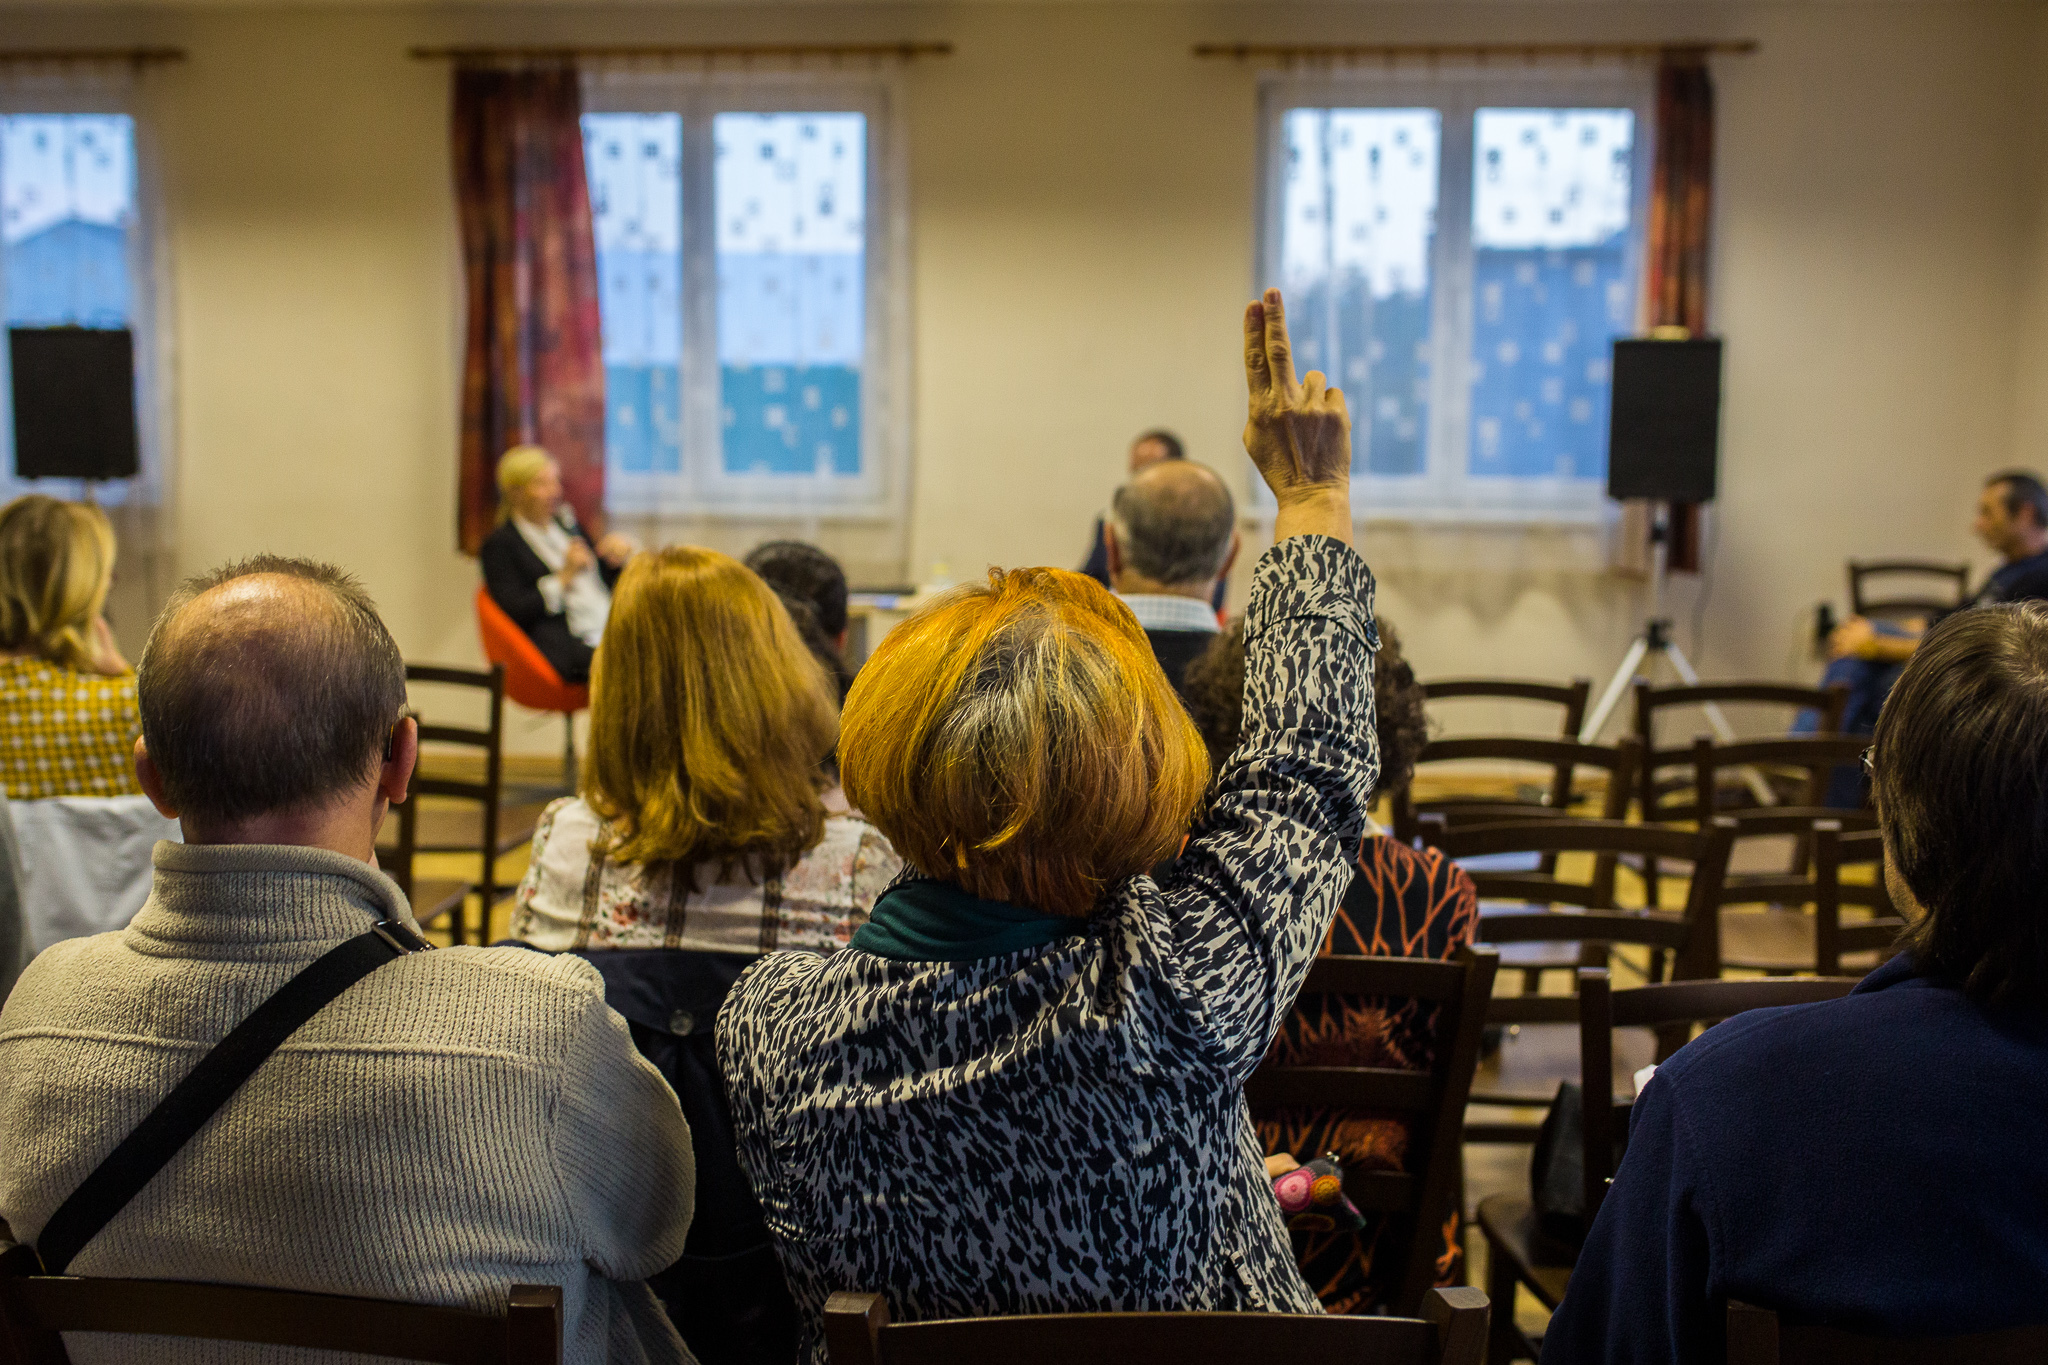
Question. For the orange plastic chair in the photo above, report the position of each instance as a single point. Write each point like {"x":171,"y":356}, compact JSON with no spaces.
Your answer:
{"x":530,"y":679}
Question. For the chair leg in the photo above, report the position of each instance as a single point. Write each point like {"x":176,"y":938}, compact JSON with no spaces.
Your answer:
{"x":1503,"y":1339}
{"x":569,"y":749}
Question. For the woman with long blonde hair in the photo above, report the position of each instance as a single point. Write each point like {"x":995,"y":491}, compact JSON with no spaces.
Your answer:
{"x":700,"y":841}
{"x":68,"y":718}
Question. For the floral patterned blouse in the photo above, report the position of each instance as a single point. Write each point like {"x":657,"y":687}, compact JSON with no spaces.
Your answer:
{"x":66,"y":733}
{"x":1426,"y":907}
{"x":572,"y":902}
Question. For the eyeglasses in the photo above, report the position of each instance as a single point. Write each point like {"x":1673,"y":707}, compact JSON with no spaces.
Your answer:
{"x":1868,"y":767}
{"x":406,"y":713}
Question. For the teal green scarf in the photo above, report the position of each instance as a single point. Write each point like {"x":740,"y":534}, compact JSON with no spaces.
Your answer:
{"x":928,"y":921}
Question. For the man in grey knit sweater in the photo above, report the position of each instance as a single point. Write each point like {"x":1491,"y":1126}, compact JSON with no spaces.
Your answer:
{"x":456,"y":1122}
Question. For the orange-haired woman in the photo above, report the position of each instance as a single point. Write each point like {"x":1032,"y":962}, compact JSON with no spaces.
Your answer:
{"x":1021,"y":1091}
{"x":700,"y":842}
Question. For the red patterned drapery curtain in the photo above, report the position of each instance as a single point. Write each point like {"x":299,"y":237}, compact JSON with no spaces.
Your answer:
{"x":534,"y":368}
{"x":1681,"y":212}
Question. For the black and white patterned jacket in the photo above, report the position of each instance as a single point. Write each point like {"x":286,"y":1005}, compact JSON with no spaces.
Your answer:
{"x":1064,"y":1129}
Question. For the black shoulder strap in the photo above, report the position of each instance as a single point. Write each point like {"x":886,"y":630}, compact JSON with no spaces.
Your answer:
{"x":197,"y":1098}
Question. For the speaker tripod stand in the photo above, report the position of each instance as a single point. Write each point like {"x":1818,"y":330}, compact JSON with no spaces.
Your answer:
{"x":1655,"y":643}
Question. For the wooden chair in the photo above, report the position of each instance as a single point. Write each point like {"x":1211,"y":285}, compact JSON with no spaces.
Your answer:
{"x":1764,"y":925}
{"x":1526,"y":1073}
{"x":35,"y":1308}
{"x":1929,"y":600}
{"x":1517,"y":1253}
{"x":1756,"y":1337}
{"x":1563,"y":758}
{"x":489,"y":828}
{"x":1431,"y":1102}
{"x":1572,"y":696}
{"x":1451,"y":1331}
{"x":1656,"y":802}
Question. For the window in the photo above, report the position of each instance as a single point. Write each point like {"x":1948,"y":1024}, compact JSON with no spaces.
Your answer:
{"x":751,"y":364}
{"x":1458,"y":253}
{"x":68,"y":230}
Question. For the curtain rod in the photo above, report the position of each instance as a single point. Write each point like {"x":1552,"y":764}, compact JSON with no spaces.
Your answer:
{"x":734,"y":50}
{"x":1481,"y":52}
{"x":76,"y":56}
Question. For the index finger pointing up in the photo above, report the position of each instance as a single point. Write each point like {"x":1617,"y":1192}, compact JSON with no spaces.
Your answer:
{"x":1279,"y":353}
{"x":1256,"y":375}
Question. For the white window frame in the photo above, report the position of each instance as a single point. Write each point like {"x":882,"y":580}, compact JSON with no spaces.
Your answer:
{"x":112,"y":90}
{"x":1446,"y":491}
{"x":704,"y":488}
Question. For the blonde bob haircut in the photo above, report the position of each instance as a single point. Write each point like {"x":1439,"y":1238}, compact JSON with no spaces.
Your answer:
{"x":517,"y":468}
{"x":709,"y":719}
{"x":56,"y":564}
{"x":1019,"y":738}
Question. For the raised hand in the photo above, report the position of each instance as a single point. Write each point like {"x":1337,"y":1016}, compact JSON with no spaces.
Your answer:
{"x":1297,"y":433}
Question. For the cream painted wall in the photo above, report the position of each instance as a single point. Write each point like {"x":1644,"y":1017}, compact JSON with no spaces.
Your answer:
{"x":1082,"y":207}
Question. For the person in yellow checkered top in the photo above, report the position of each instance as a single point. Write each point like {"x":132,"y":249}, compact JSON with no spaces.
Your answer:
{"x":68,"y":718}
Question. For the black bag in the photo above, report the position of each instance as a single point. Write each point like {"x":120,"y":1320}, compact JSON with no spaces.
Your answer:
{"x":211,"y":1084}
{"x":1557,"y":1169}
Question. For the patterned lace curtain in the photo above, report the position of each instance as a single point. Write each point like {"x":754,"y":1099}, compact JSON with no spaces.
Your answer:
{"x":1681,"y":211}
{"x":534,"y":369}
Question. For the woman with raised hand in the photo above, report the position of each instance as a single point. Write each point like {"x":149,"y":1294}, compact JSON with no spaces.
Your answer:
{"x":1021,"y":1089}
{"x":700,"y":842}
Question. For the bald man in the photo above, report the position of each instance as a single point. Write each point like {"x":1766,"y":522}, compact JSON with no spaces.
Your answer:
{"x":1157,"y":446}
{"x":1170,"y":541}
{"x":452,"y":1123}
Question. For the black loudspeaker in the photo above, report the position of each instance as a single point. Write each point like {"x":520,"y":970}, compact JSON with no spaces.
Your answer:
{"x":1664,"y":425}
{"x":74,"y":402}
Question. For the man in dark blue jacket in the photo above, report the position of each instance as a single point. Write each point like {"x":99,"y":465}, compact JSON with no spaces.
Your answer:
{"x":1875,"y":1163}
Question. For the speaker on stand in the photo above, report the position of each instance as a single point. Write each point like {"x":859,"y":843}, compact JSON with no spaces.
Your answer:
{"x":1663,"y":445}
{"x":74,"y":403}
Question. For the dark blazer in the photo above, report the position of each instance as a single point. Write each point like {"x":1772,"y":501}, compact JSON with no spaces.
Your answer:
{"x":1872,"y":1163}
{"x":1176,"y":649}
{"x":512,"y":573}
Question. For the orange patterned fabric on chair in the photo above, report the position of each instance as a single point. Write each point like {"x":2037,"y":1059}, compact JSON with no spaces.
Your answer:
{"x":530,"y":679}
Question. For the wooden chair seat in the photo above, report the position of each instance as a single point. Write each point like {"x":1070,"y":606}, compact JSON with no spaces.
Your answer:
{"x":1450,"y":1331}
{"x":1776,"y":939}
{"x":460,"y":829}
{"x":1534,"y":1058}
{"x":1509,"y":1223}
{"x":435,"y":897}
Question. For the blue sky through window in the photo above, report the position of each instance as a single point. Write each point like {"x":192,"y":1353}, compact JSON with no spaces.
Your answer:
{"x":791,"y":209}
{"x":1551,"y":206}
{"x":1358,"y":226}
{"x":634,"y":166}
{"x":67,"y":205}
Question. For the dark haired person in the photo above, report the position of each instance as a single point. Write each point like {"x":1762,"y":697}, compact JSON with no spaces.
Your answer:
{"x":1404,"y":902}
{"x":813,"y":586}
{"x":2012,"y":519}
{"x":1872,"y":1163}
{"x":1171,"y":540}
{"x":1151,"y":449}
{"x":451,"y":1124}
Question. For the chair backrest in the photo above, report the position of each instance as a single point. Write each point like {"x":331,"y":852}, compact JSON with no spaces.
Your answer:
{"x":1572,"y":696}
{"x":1816,"y":755}
{"x":1933,"y":597}
{"x":1833,"y":849}
{"x":85,"y":862}
{"x":1671,"y":1008}
{"x":35,"y":1308}
{"x":1451,"y":1331}
{"x":1564,"y":757}
{"x":1829,"y":702}
{"x":1692,"y":935}
{"x":1431,"y":1102}
{"x":1756,"y":1337}
{"x":530,"y":679}
{"x":489,"y":738}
